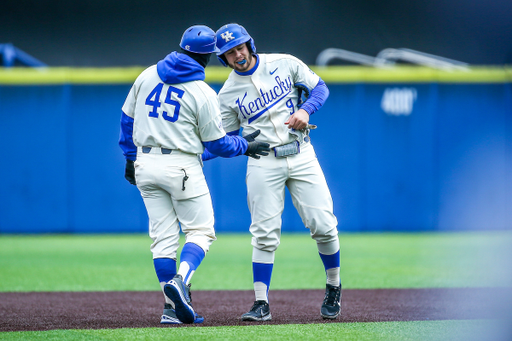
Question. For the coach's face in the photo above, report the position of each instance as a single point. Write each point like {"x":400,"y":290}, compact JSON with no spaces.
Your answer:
{"x":240,"y":58}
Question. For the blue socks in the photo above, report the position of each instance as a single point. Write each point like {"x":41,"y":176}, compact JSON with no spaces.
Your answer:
{"x":191,"y":256}
{"x":165,"y":269}
{"x":332,"y":268}
{"x":262,"y":273}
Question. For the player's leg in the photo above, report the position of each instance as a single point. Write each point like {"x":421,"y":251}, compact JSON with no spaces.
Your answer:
{"x":262,"y":265}
{"x":196,"y":218}
{"x":164,"y":232}
{"x":166,"y":270}
{"x":158,"y":189}
{"x":265,"y":188}
{"x":311,"y":196}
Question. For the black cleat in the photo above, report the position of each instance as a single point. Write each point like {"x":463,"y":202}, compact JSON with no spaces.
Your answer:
{"x":260,"y":311}
{"x":331,"y":306}
{"x":169,"y":316}
{"x":180,"y":294}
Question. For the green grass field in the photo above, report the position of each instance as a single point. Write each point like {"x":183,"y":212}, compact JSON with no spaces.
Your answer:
{"x":388,"y":260}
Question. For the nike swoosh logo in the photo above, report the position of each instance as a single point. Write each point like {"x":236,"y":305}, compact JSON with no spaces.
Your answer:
{"x":272,"y":72}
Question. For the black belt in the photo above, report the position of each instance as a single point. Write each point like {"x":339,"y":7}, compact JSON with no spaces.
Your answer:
{"x":146,"y":150}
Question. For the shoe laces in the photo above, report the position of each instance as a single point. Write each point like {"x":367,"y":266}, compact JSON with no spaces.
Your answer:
{"x":258,"y":305}
{"x":332,"y":296}
{"x":189,"y":293}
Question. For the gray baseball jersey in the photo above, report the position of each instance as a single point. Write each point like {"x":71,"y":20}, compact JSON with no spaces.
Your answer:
{"x":267,"y":98}
{"x":170,"y":120}
{"x":173,"y":116}
{"x":264,"y":99}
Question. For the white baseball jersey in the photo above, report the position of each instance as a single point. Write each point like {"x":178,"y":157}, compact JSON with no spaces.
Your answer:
{"x":173,"y":116}
{"x":267,"y":98}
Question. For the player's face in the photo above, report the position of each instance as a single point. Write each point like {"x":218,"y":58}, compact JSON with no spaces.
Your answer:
{"x":240,"y":58}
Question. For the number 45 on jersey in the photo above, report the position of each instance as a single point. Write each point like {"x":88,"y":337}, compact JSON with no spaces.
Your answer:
{"x":153,"y":100}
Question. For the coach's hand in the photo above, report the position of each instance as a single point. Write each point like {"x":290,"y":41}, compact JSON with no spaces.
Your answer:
{"x":129,"y":172}
{"x":255,"y":148}
{"x":252,"y":136}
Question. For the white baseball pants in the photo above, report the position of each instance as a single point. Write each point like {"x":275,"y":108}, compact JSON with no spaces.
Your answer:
{"x":160,"y":179}
{"x":301,"y":173}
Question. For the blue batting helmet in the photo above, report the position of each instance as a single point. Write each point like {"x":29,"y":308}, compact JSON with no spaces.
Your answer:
{"x":229,"y":36}
{"x":199,"y":39}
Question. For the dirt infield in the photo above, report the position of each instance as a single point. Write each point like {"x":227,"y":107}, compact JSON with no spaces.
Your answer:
{"x":100,"y":310}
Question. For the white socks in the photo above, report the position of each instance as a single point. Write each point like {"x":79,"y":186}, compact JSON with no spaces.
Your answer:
{"x":333,"y":276}
{"x":260,"y":291}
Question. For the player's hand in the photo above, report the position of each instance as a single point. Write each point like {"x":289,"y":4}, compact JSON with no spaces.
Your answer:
{"x":299,"y":120}
{"x":129,"y":172}
{"x":252,"y":136}
{"x":255,"y":149}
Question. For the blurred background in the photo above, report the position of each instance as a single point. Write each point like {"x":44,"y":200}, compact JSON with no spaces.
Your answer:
{"x":425,"y":148}
{"x":135,"y":32}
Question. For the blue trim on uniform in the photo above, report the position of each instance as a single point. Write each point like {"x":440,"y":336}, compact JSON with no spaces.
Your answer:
{"x":251,"y":71}
{"x":227,"y":146}
{"x":193,"y":255}
{"x":266,"y":109}
{"x":165,"y":269}
{"x":262,"y":272}
{"x":208,"y":156}
{"x":317,"y":98}
{"x":331,"y":261}
{"x":234,"y":133}
{"x":179,"y":68}
{"x":126,"y":138}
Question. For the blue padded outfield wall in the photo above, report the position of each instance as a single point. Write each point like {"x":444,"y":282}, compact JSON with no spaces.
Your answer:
{"x":412,"y":150}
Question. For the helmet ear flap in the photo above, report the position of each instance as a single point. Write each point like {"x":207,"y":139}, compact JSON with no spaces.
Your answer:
{"x":251,"y":46}
{"x":222,"y":60}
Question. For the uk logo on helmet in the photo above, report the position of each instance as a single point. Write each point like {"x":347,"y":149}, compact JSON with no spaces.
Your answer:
{"x":227,"y":36}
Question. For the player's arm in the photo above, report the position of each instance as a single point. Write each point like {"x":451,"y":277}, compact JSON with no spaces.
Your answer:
{"x":316,"y":99}
{"x":232,"y":144}
{"x":126,"y":138}
{"x":128,"y":147}
{"x":126,"y":135}
{"x":207,"y":155}
{"x":217,"y":142}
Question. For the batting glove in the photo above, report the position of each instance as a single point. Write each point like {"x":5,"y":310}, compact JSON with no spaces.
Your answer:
{"x":255,"y":148}
{"x":250,"y":137}
{"x":129,"y":172}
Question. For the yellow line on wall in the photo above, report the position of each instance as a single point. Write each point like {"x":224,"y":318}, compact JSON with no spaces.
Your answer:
{"x":218,"y":74}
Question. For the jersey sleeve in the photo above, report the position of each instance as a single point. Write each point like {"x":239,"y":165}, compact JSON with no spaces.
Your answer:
{"x":126,"y":131}
{"x":126,"y":138}
{"x":302,"y":75}
{"x":228,"y":146}
{"x":230,"y":120}
{"x":209,"y":120}
{"x":129,"y":104}
{"x":317,"y":98}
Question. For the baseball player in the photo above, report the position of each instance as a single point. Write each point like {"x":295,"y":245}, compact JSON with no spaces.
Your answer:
{"x":168,"y":117}
{"x":262,"y":93}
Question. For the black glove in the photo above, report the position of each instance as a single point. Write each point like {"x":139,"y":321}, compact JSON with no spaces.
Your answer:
{"x":129,"y":172}
{"x":255,"y":148}
{"x":250,"y":137}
